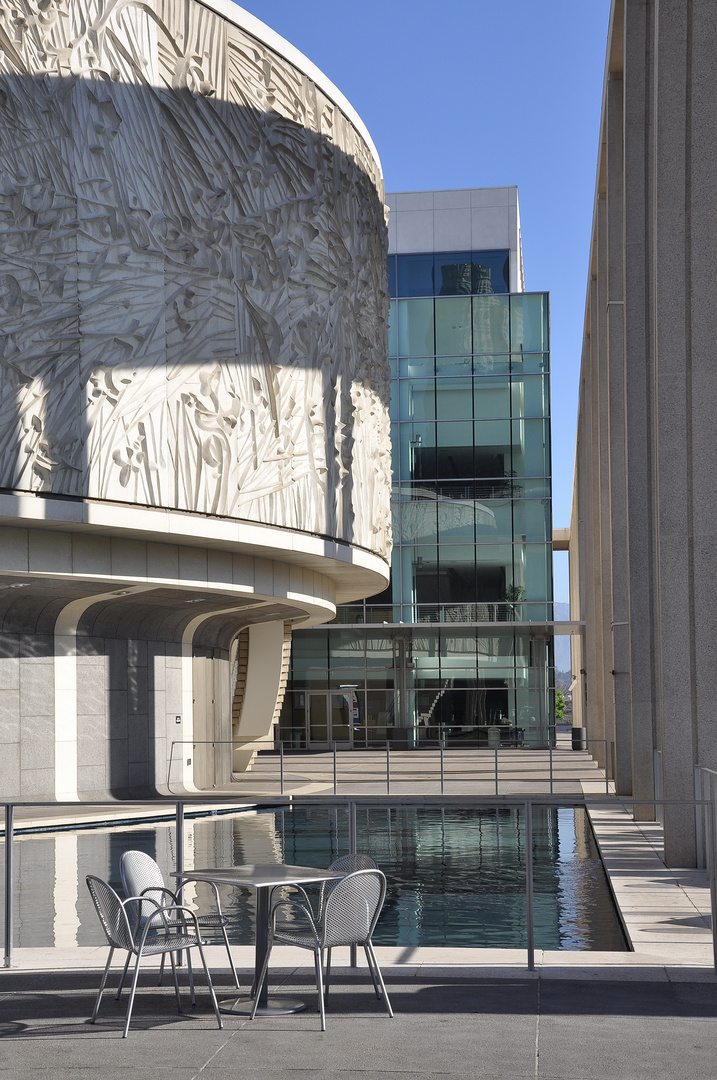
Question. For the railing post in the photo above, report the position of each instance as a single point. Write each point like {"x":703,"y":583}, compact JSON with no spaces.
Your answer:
{"x":179,"y":852}
{"x":335,"y":781}
{"x":441,"y":743}
{"x":9,"y":874}
{"x":388,"y":767}
{"x":281,"y":765}
{"x":353,"y":962}
{"x":550,"y":763}
{"x":530,"y":923}
{"x":495,"y":767}
{"x":607,"y":780}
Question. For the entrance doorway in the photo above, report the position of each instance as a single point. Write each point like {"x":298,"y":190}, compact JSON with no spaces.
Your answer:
{"x":329,"y":720}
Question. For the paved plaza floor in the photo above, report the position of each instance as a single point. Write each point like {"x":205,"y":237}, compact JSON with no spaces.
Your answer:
{"x":481,"y":1020}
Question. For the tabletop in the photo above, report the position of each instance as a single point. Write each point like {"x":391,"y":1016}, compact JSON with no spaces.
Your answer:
{"x":259,"y":875}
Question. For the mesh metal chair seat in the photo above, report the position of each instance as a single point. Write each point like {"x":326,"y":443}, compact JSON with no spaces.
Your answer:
{"x":349,"y":916}
{"x":165,"y":930}
{"x":142,"y":877}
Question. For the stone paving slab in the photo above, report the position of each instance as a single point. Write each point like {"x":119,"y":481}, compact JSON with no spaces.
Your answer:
{"x":449,"y":1023}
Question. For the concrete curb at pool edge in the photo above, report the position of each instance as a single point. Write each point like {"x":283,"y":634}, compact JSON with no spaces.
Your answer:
{"x":418,"y":962}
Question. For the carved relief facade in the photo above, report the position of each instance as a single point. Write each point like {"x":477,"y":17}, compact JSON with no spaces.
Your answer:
{"x":192,"y":260}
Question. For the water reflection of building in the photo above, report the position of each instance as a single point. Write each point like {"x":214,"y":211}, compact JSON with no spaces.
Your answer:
{"x":460,"y":642}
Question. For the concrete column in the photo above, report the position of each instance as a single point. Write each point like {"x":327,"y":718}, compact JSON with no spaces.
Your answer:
{"x":616,"y":423}
{"x":673,"y":422}
{"x":640,"y":555}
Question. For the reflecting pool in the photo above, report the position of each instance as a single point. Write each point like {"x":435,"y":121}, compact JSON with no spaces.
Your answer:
{"x":456,"y":876}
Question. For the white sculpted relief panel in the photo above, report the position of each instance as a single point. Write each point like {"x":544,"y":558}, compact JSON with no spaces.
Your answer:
{"x":192,"y":296}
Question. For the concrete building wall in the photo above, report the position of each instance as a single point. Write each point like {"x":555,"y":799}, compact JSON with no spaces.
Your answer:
{"x":646,"y":452}
{"x":194,"y":387}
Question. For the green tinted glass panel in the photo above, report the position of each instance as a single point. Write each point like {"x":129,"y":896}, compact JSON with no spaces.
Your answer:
{"x":379,"y":650}
{"x":425,"y":645}
{"x":346,"y":648}
{"x":528,"y":323}
{"x":454,"y":434}
{"x":527,"y":363}
{"x":418,"y":399}
{"x":392,"y":329}
{"x":311,"y":650}
{"x":418,"y":521}
{"x":416,"y":367}
{"x":537,"y":571}
{"x":491,"y":398}
{"x":417,"y":451}
{"x":415,"y":328}
{"x":491,"y":324}
{"x":453,"y":325}
{"x":457,"y":574}
{"x":494,"y":522}
{"x":453,"y":365}
{"x":493,"y":447}
{"x":529,"y":396}
{"x":456,"y":521}
{"x":531,"y":519}
{"x":454,"y":451}
{"x":534,"y":488}
{"x":531,"y":448}
{"x":491,"y":365}
{"x":453,"y":399}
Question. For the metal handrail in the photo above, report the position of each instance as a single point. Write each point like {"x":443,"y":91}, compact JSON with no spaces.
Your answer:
{"x":497,"y":775}
{"x":351,"y":804}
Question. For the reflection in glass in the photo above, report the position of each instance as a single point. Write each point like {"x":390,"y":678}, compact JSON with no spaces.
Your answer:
{"x":415,"y":328}
{"x":453,"y":326}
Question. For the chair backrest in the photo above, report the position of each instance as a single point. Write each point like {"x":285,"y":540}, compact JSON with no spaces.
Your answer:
{"x":111,"y":913}
{"x":357,"y":861}
{"x":352,"y":908}
{"x":348,"y":864}
{"x":140,"y":873}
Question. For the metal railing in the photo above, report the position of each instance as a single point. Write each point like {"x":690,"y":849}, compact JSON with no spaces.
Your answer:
{"x":449,"y":765}
{"x":708,"y":807}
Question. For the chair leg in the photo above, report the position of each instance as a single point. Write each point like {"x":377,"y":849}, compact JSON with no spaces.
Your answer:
{"x":262,"y":978}
{"x":161,"y":969}
{"x":190,"y":972}
{"x":328,"y":975}
{"x":231,"y":959}
{"x":103,"y":983}
{"x":176,"y":983}
{"x":369,"y":946}
{"x":132,"y":992}
{"x":373,"y":973}
{"x":124,"y":976}
{"x":210,"y":985}
{"x":320,"y":987}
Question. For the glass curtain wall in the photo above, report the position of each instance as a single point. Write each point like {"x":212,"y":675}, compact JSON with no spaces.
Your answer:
{"x":472,"y":529}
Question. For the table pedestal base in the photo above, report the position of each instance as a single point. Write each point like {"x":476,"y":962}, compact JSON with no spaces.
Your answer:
{"x":277,"y":1005}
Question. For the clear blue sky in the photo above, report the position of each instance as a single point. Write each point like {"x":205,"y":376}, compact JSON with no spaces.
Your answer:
{"x":472,"y":94}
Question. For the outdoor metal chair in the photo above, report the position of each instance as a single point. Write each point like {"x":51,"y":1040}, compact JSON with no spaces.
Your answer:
{"x":180,"y":932}
{"x":345,"y":863}
{"x":141,"y":876}
{"x":349,"y":916}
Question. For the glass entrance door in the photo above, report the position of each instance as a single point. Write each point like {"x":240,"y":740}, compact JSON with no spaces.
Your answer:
{"x":329,"y":720}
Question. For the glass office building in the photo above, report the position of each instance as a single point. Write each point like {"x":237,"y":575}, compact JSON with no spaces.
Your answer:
{"x":460,"y":644}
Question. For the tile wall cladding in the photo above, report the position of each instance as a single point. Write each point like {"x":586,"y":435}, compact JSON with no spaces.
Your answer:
{"x":192,"y":287}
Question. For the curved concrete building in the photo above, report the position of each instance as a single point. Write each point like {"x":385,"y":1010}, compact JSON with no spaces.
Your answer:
{"x":194,"y":441}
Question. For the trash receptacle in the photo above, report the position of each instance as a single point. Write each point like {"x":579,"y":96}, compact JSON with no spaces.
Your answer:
{"x":580,"y":738}
{"x":493,"y":737}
